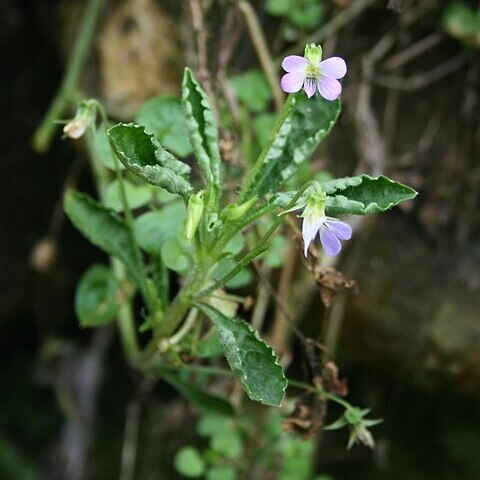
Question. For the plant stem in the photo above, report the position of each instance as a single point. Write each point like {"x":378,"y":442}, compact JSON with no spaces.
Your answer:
{"x":228,"y":373}
{"x":252,"y":180}
{"x":129,"y":220}
{"x":261,"y":47}
{"x":245,"y":260}
{"x":125,"y":317}
{"x":45,"y":131}
{"x":133,"y":239}
{"x":188,"y":324}
{"x":323,"y":393}
{"x":258,"y":250}
{"x":236,"y":227}
{"x":181,"y":303}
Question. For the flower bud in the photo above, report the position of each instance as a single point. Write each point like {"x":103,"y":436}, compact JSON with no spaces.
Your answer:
{"x":84,"y":118}
{"x":313,"y":53}
{"x":194,"y":214}
{"x":234,"y":211}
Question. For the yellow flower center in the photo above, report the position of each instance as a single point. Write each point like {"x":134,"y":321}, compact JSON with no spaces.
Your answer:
{"x":313,"y":72}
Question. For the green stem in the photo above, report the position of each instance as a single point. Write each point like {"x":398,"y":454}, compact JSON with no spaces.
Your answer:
{"x":228,"y":373}
{"x":129,"y":220}
{"x":252,"y":180}
{"x":125,"y":317}
{"x":44,"y":133}
{"x":258,"y":250}
{"x":222,"y":372}
{"x":319,"y":391}
{"x":181,"y":303}
{"x":232,"y":229}
{"x":188,"y":324}
{"x":244,"y":261}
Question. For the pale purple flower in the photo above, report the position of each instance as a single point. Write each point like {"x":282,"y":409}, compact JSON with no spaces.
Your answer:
{"x":310,"y":72}
{"x":331,"y":232}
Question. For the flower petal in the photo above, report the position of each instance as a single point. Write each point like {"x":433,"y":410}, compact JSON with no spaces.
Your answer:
{"x":334,"y":67}
{"x":341,"y":230}
{"x":294,"y":63}
{"x":310,"y":87}
{"x":329,"y":88}
{"x":330,"y":243}
{"x":292,"y":82}
{"x":310,"y":228}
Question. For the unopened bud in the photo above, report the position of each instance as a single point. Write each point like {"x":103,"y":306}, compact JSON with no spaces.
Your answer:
{"x":83,"y":119}
{"x":234,"y":211}
{"x":194,"y":214}
{"x":313,"y":53}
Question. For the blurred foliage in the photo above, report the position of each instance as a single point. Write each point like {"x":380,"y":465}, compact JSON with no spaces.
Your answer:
{"x":425,"y":436}
{"x":462,"y":21}
{"x":301,"y":15}
{"x":233,"y":444}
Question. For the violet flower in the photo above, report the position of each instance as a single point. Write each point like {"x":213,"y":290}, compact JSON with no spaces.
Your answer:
{"x":330,"y":230}
{"x":310,"y":72}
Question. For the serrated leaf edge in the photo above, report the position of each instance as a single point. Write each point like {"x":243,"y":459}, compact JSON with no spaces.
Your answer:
{"x":273,"y":354}
{"x":186,"y":191}
{"x":358,"y":180}
{"x":240,"y":373}
{"x":210,"y":161}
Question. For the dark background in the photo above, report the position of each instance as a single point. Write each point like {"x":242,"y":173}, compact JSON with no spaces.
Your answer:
{"x":410,"y":339}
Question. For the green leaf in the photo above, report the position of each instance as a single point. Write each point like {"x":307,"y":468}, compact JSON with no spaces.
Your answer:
{"x":363,"y":195}
{"x":103,"y":150}
{"x":227,"y":442}
{"x":163,"y":117}
{"x":463,"y":23}
{"x":137,"y":195}
{"x":206,"y":402}
{"x":97,"y":297}
{"x":307,"y":17}
{"x":202,"y":130}
{"x":235,"y":245}
{"x":153,"y":228}
{"x":241,"y":279}
{"x":142,"y":154}
{"x":104,"y":229}
{"x":173,"y":256}
{"x":264,"y":125}
{"x":209,"y":346}
{"x":252,"y":89}
{"x":250,"y":358}
{"x":275,"y":256}
{"x":221,"y":473}
{"x":278,"y":7}
{"x":304,"y":123}
{"x":360,"y":195}
{"x":189,"y":462}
